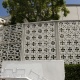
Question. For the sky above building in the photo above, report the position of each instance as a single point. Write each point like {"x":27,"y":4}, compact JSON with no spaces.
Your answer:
{"x":4,"y":13}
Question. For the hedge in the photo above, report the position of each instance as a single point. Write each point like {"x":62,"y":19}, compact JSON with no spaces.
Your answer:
{"x":72,"y":72}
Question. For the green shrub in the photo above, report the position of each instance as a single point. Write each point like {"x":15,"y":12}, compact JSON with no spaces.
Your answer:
{"x":72,"y":72}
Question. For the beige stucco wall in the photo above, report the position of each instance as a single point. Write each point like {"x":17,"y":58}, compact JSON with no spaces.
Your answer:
{"x":73,"y":15}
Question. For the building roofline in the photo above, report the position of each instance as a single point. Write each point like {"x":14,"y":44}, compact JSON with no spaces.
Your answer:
{"x":72,"y":4}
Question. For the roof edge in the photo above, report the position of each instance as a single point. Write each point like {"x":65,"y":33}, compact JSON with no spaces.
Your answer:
{"x":72,"y":4}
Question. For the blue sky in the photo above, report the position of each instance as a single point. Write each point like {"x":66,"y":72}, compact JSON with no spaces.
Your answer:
{"x":4,"y":13}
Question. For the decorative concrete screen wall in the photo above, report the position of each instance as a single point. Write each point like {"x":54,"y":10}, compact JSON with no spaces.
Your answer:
{"x":10,"y":43}
{"x":69,"y":41}
{"x":41,"y":41}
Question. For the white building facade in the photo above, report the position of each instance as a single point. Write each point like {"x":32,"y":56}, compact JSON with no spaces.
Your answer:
{"x":74,"y":12}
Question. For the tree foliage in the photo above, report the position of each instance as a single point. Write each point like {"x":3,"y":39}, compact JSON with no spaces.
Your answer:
{"x":35,"y":10}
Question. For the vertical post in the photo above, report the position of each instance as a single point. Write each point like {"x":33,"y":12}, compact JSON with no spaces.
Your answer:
{"x":57,"y":41}
{"x":22,"y":43}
